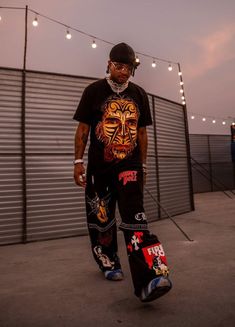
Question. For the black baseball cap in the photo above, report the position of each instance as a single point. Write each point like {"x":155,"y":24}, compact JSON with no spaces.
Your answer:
{"x":123,"y":53}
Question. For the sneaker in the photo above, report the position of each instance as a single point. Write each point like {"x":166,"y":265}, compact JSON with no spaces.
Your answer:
{"x":114,"y":274}
{"x":156,"y":288}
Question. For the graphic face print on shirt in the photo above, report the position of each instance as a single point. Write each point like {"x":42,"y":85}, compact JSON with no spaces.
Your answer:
{"x":118,"y":128}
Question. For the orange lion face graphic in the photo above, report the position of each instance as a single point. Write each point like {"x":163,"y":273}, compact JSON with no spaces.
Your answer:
{"x":118,"y":128}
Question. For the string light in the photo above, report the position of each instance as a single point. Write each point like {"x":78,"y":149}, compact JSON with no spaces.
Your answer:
{"x":181,"y":85}
{"x":68,"y":35}
{"x":94,"y":45}
{"x":214,"y":120}
{"x":86,"y":34}
{"x":154,"y":64}
{"x":170,"y":67}
{"x":35,"y":22}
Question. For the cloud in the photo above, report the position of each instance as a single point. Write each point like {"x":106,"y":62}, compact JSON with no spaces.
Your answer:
{"x":212,"y":51}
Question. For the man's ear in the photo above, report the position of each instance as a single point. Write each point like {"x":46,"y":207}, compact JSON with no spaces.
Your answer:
{"x":107,"y":70}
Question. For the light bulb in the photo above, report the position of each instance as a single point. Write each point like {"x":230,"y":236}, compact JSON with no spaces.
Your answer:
{"x":181,"y":83}
{"x":170,"y":68}
{"x":68,"y":35}
{"x":137,"y":59}
{"x":233,"y":123}
{"x":182,"y":97}
{"x":0,"y":18}
{"x":224,"y":122}
{"x":203,"y":119}
{"x":94,"y":45}
{"x":180,"y":73}
{"x":192,"y":117}
{"x":35,"y":22}
{"x":183,"y":102}
{"x":154,"y":64}
{"x":181,"y":91}
{"x":213,"y":121}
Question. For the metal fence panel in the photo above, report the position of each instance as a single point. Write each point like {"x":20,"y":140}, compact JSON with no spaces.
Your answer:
{"x":174,"y":186}
{"x":151,"y":180}
{"x":54,"y":205}
{"x":174,"y":180}
{"x":11,"y":205}
{"x":220,"y":148}
{"x":199,"y":148}
{"x":212,"y":165}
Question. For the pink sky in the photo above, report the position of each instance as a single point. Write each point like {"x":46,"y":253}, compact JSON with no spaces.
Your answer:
{"x":213,"y":50}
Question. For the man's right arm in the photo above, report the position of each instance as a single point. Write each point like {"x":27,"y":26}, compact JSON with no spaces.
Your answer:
{"x":81,"y":138}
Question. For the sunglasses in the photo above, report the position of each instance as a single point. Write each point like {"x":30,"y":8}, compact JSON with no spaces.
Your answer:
{"x":120,"y":66}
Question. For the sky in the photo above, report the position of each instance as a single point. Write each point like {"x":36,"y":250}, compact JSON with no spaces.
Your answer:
{"x":200,"y":35}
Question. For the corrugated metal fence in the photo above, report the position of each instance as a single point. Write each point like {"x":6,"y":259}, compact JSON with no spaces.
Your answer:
{"x":212,"y":166}
{"x":44,"y":202}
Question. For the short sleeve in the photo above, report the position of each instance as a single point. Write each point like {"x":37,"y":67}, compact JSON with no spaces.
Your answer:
{"x":145,"y":113}
{"x":84,"y":109}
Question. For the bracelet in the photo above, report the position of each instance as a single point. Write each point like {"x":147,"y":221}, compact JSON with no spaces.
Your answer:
{"x":77,"y":161}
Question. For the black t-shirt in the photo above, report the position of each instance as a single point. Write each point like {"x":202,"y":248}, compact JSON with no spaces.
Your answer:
{"x":114,"y":120}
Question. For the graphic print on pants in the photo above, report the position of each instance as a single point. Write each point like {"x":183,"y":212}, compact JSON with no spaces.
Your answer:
{"x":156,"y":259}
{"x":99,"y":207}
{"x":118,"y":128}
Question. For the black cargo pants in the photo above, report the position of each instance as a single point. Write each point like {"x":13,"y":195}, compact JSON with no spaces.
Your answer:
{"x":145,"y":253}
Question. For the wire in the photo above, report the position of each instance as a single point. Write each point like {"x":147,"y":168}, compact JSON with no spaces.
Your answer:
{"x":85,"y":33}
{"x":168,"y":215}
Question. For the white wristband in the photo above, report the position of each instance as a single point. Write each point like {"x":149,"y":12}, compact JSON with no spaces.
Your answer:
{"x":77,"y":161}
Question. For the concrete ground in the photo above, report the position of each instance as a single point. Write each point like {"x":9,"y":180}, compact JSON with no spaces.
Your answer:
{"x":56,"y":283}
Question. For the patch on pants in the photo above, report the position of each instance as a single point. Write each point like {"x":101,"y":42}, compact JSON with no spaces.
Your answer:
{"x":156,"y":259}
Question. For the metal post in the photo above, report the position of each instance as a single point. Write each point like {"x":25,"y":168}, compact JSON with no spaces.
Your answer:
{"x":210,"y":163}
{"x":188,"y":157}
{"x":156,"y":157}
{"x":24,"y":186}
{"x":187,"y":145}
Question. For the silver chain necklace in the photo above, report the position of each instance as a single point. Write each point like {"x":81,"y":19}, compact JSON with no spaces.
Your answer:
{"x":117,"y":88}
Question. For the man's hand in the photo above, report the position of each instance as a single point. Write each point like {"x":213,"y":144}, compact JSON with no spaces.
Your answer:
{"x":144,"y":178}
{"x":80,"y":175}
{"x":81,"y":137}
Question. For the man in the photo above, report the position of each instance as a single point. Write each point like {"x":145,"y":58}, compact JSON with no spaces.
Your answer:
{"x":116,"y":112}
